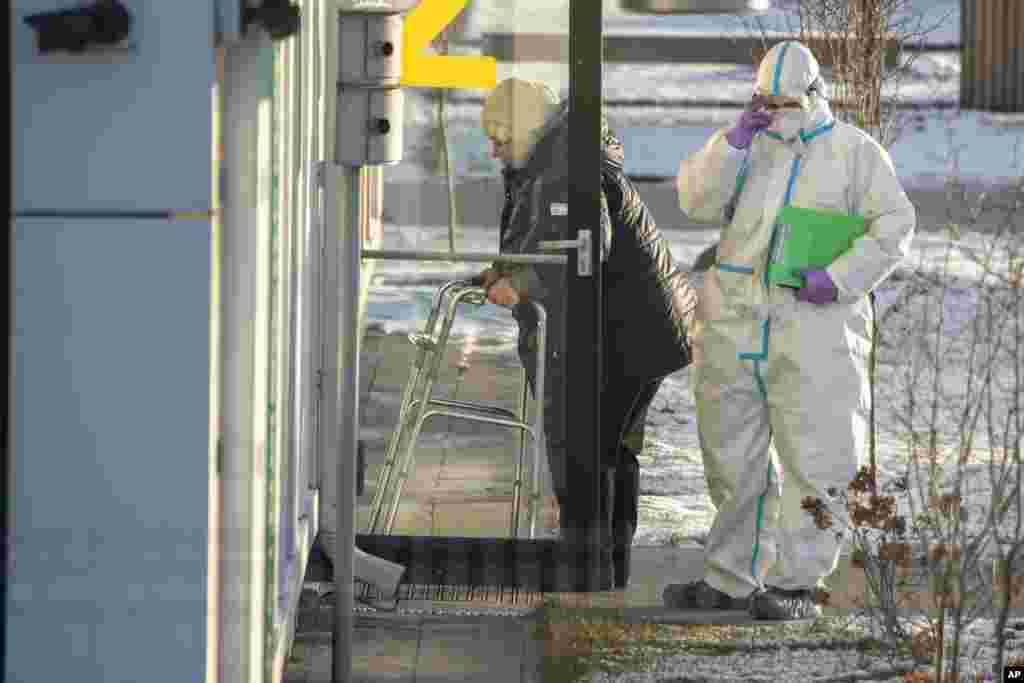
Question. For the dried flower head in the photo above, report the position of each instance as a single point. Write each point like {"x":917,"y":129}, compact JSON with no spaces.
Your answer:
{"x":942,"y":551}
{"x":898,"y":553}
{"x":897,"y":525}
{"x":924,"y":642}
{"x":861,"y":515}
{"x":884,"y":506}
{"x":947,"y":504}
{"x":819,"y":511}
{"x":864,"y":482}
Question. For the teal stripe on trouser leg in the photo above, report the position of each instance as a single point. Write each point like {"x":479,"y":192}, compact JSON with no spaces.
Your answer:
{"x":768,"y":483}
{"x":819,"y":440}
{"x":735,"y":439}
{"x":757,"y":359}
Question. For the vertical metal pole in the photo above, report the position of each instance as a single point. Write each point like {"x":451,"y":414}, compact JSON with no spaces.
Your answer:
{"x":329,"y":376}
{"x":582,"y":351}
{"x":346,"y":234}
{"x":327,"y":442}
{"x":244,"y":79}
{"x":313,"y":349}
{"x":542,"y":355}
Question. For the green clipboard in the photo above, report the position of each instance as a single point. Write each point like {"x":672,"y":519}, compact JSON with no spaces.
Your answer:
{"x":809,"y":238}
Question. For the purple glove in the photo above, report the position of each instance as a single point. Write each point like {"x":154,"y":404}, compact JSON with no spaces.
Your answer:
{"x":752,"y":120}
{"x":818,"y":287}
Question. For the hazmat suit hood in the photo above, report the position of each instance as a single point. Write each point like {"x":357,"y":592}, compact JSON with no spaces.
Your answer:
{"x":789,"y":70}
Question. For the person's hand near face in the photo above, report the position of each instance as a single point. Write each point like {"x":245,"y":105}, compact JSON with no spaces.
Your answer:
{"x":753,"y":119}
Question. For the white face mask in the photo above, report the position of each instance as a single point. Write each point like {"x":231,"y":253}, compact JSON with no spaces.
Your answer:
{"x":787,"y":123}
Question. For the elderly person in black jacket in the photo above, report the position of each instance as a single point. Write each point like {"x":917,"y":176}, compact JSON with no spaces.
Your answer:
{"x":648,"y":301}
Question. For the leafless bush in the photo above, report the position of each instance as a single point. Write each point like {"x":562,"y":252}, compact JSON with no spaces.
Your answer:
{"x":952,"y":381}
{"x":865,"y":47}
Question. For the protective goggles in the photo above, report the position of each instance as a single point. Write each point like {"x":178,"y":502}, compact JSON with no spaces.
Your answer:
{"x":774,"y":103}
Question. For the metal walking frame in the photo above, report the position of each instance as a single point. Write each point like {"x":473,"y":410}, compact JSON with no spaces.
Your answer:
{"x":418,"y":405}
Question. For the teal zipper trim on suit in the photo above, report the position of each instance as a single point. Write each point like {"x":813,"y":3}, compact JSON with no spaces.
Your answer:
{"x":760,"y":356}
{"x":763,"y":353}
{"x":741,"y":177}
{"x":820,"y":130}
{"x":794,"y":172}
{"x":729,"y":268}
{"x":806,"y":137}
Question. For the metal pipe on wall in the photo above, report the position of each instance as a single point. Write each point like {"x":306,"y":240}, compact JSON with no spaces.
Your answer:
{"x":330,"y":407}
{"x":243,"y":93}
{"x":348,"y":244}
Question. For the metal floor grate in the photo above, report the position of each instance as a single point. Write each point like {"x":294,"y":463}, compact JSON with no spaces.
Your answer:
{"x":493,"y":595}
{"x":317,"y":612}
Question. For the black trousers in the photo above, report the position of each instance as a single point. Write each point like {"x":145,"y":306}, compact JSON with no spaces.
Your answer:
{"x":624,"y":405}
{"x":623,"y":414}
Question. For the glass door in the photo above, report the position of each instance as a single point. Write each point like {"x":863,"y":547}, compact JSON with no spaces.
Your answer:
{"x":498,"y":191}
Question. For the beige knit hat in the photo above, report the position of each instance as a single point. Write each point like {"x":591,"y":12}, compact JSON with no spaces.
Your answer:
{"x":515,"y":111}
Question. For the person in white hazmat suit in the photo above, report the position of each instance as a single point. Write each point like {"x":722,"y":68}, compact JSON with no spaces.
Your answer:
{"x":780,"y":375}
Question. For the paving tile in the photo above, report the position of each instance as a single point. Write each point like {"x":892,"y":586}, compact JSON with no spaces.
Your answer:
{"x":381,"y":651}
{"x":489,"y":648}
{"x":384,"y":653}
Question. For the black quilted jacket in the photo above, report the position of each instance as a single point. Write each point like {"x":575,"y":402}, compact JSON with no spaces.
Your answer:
{"x":648,"y":300}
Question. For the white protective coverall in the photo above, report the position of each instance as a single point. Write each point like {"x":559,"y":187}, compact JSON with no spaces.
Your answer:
{"x":774,"y":371}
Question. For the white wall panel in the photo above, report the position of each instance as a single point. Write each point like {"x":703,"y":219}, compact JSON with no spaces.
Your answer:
{"x":124,"y":133}
{"x":110,"y":426}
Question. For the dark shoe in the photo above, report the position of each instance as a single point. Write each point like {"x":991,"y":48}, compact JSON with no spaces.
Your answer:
{"x":776,"y":604}
{"x":700,"y":595}
{"x":620,"y":563}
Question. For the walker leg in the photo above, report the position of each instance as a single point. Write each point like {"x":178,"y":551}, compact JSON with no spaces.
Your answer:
{"x":387,"y":472}
{"x":421,"y":409}
{"x":517,"y":487}
{"x":538,"y":414}
{"x":412,"y":388}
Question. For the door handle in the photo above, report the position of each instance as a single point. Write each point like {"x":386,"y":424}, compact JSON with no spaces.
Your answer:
{"x":584,"y":264}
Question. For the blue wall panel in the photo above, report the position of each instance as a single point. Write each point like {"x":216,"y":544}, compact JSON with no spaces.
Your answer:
{"x":119,"y":133}
{"x":110,"y":445}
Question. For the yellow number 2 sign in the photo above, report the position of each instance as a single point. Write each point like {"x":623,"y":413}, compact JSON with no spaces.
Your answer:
{"x":422,"y":25}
